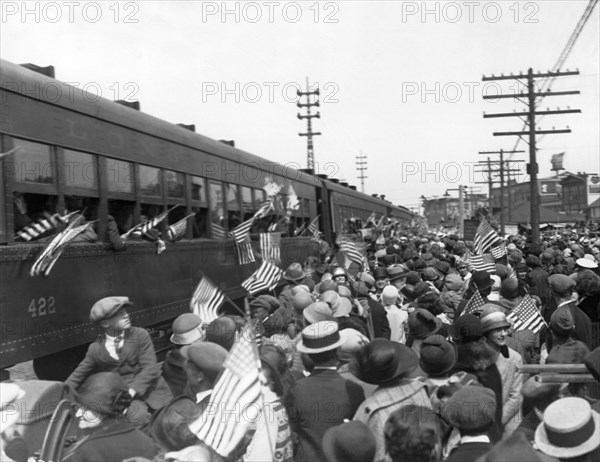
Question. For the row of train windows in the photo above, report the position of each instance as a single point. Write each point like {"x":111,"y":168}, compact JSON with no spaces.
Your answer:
{"x":224,"y":204}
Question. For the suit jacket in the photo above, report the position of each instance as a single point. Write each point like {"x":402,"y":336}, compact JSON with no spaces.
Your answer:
{"x":112,"y":442}
{"x":136,"y":364}
{"x":316,"y":403}
{"x":512,"y":381}
{"x":468,"y":452}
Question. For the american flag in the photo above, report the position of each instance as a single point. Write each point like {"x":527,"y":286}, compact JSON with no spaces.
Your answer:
{"x":264,"y":210}
{"x":499,"y":251}
{"x":265,"y":277}
{"x":474,"y":304}
{"x":483,"y":262}
{"x":270,"y":247}
{"x":527,"y":316}
{"x":42,"y":225}
{"x":217,"y":231}
{"x":349,"y":249}
{"x":241,"y":233}
{"x":313,"y":227}
{"x":206,"y":300}
{"x":272,"y":227}
{"x":371,"y":219}
{"x":146,"y":226}
{"x":485,"y":237}
{"x":244,"y":252}
{"x":238,"y":390}
{"x":55,"y":248}
{"x":177,"y":230}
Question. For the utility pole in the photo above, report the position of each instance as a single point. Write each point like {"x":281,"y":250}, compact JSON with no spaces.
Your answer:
{"x":530,"y":114}
{"x":502,"y":170}
{"x":310,"y":155}
{"x":361,"y":166}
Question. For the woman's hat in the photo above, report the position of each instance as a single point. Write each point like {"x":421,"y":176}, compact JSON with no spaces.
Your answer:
{"x":10,"y":393}
{"x":482,"y":280}
{"x":422,"y":324}
{"x":320,"y":337}
{"x":383,"y":362}
{"x":492,"y":317}
{"x":438,"y":356}
{"x":509,"y":288}
{"x":187,"y":329}
{"x":317,"y":312}
{"x":294,"y":272}
{"x":570,"y":428}
{"x":105,"y":393}
{"x":301,"y":300}
{"x":350,"y":442}
{"x":471,"y":409}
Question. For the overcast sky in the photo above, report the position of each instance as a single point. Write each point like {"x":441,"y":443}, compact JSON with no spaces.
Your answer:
{"x":400,"y":81}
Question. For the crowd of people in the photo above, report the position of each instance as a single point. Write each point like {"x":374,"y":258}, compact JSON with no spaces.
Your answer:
{"x":384,"y":361}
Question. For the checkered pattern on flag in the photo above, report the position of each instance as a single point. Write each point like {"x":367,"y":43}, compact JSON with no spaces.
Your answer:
{"x":349,"y":250}
{"x":206,"y":300}
{"x":485,"y":237}
{"x":217,"y":231}
{"x":237,"y":391}
{"x":474,"y":304}
{"x":177,"y":230}
{"x":270,"y":247}
{"x":499,"y":251}
{"x":313,"y":227}
{"x":527,"y":316}
{"x":264,"y":278}
{"x":483,"y":262}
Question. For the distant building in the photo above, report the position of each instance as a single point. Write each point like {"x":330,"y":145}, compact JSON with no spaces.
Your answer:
{"x":444,"y":211}
{"x":580,"y":191}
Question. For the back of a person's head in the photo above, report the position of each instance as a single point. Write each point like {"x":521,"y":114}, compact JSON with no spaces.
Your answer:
{"x":222,"y":331}
{"x":413,"y":433}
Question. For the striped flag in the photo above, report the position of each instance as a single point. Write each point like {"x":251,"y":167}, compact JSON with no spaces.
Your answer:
{"x":313,"y":227}
{"x":217,"y":231}
{"x":349,"y":249}
{"x":142,"y":228}
{"x":474,"y":304}
{"x":300,"y":230}
{"x":483,"y":262}
{"x":55,"y":248}
{"x":272,"y":227}
{"x":177,"y":230}
{"x":264,"y":210}
{"x":241,"y":233}
{"x":237,"y":391}
{"x":499,"y":251}
{"x":264,"y":278}
{"x":527,"y":316}
{"x":270,"y":247}
{"x":244,"y":252}
{"x":371,"y":219}
{"x":206,"y":300}
{"x":485,"y":237}
{"x":42,"y":225}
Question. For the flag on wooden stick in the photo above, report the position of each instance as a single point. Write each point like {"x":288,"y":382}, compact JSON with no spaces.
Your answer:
{"x":47,"y":223}
{"x":177,"y":230}
{"x":313,"y":227}
{"x":217,"y":231}
{"x":206,"y":300}
{"x":351,"y":251}
{"x":237,"y":391}
{"x":485,"y":237}
{"x":483,"y":262}
{"x":270,"y":247}
{"x":142,"y":228}
{"x":474,"y":304}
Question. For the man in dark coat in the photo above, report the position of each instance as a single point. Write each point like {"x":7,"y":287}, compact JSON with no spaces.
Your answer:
{"x":323,"y":399}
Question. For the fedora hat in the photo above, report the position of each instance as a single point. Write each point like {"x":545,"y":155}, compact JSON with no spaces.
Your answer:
{"x":570,"y":428}
{"x":294,"y":272}
{"x":320,"y":337}
{"x":383,"y":362}
{"x":318,"y":311}
{"x":482,"y":280}
{"x":187,"y":328}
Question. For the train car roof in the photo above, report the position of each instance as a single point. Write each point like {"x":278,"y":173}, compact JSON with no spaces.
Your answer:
{"x":31,"y":84}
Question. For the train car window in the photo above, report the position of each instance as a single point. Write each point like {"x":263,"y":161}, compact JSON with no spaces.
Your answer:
{"x":120,"y":176}
{"x":247,"y":199}
{"x":150,"y":184}
{"x":259,"y":198}
{"x":33,"y":163}
{"x":200,"y":222}
{"x":198,"y":189}
{"x":80,"y":170}
{"x":217,"y":206}
{"x":122,"y":212}
{"x":176,"y":214}
{"x":234,"y":217}
{"x":175,"y":184}
{"x":28,"y":209}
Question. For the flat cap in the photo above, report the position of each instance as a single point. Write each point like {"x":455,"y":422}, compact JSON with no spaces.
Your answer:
{"x":560,"y":283}
{"x":208,"y":357}
{"x":107,"y":307}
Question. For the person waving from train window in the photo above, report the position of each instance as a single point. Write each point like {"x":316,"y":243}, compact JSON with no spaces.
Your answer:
{"x":128,"y":351}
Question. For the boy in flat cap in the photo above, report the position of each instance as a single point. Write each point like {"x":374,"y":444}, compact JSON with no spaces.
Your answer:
{"x":128,"y":351}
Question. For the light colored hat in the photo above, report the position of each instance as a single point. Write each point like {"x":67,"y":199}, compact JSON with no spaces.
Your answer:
{"x":320,"y":337}
{"x":10,"y":393}
{"x":570,"y":428}
{"x":588,"y":263}
{"x":187,"y":328}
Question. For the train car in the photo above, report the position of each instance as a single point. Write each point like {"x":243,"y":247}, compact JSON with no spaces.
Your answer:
{"x":78,"y":152}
